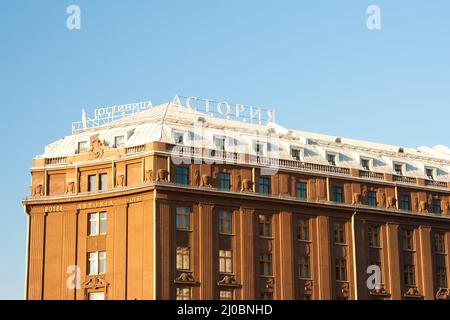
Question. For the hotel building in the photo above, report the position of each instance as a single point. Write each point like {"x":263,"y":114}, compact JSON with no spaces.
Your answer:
{"x":173,"y":203}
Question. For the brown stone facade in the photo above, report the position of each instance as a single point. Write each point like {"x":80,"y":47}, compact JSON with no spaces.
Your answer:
{"x":194,"y":234}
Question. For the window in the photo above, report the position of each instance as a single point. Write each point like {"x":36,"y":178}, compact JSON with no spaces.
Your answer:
{"x":224,"y":181}
{"x":178,"y":137}
{"x":372,"y":198}
{"x":82,"y":146}
{"x":97,"y":224}
{"x":339,"y":233}
{"x":295,"y":153}
{"x":183,"y":294}
{"x":97,"y":262}
{"x":300,"y":190}
{"x":404,"y":202}
{"x":92,"y":183}
{"x":441,"y":277}
{"x":225,"y":223}
{"x":374,"y":236}
{"x":430,"y":173}
{"x":341,"y":269}
{"x":183,"y":257}
{"x":265,"y":226}
{"x":265,"y":264}
{"x":219,"y":143}
{"x":439,"y":244}
{"x":398,"y":168}
{"x":436,"y":206}
{"x":408,"y":239}
{"x":264,"y":185}
{"x":192,"y":136}
{"x":259,"y":149}
{"x":182,"y":175}
{"x":409,"y":275}
{"x":233,"y":142}
{"x":303,"y":230}
{"x":119,"y":142}
{"x":225,"y":261}
{"x":96,"y":296}
{"x":365,"y":163}
{"x":182,"y":219}
{"x":331,"y":158}
{"x":226,"y":295}
{"x":304,"y":268}
{"x":338,"y":194}
{"x":103,"y":181}
{"x":266,"y":296}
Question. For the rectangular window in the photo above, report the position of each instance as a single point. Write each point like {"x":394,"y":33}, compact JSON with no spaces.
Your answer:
{"x":300,"y":190}
{"x":408,"y":239}
{"x":372,"y":198}
{"x":331,"y":158}
{"x":303,"y":230}
{"x":103,"y":181}
{"x":259,"y":149}
{"x":295,"y":153}
{"x":183,"y":294}
{"x":119,"y":142}
{"x":374,"y":236}
{"x":409,"y":275}
{"x":225,"y":222}
{"x":341,"y":269}
{"x":338,"y":194}
{"x":398,"y":168}
{"x":304,"y":268}
{"x":264,"y":185}
{"x":178,"y":137}
{"x":439,"y":243}
{"x":97,"y":224}
{"x":430,"y":173}
{"x":92,"y":183}
{"x":97,"y":262}
{"x":182,"y":219}
{"x":225,"y":261}
{"x":182,"y":175}
{"x":96,"y":296}
{"x":219,"y":143}
{"x":441,"y":277}
{"x":82,"y":146}
{"x":404,"y":202}
{"x":365,"y":163}
{"x":183,"y":258}
{"x":437,"y":206}
{"x":224,"y":181}
{"x":265,"y":264}
{"x":226,"y":294}
{"x":339,"y":233}
{"x":265,"y":226}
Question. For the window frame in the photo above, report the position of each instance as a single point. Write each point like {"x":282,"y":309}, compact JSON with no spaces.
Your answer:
{"x":265,"y":264}
{"x":183,"y":258}
{"x":340,"y":193}
{"x":339,"y":233}
{"x":117,"y":144}
{"x":226,"y":261}
{"x":300,"y":190}
{"x":183,"y":219}
{"x":227,"y":181}
{"x":182,"y":175}
{"x":225,"y":222}
{"x":266,"y":187}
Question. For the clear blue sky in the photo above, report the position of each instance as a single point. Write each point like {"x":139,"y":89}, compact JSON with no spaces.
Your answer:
{"x":314,"y":61}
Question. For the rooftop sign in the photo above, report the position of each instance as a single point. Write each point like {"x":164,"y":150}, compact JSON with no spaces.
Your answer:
{"x":220,"y":109}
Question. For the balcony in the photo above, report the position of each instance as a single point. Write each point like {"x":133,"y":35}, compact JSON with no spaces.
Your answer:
{"x":403,"y":179}
{"x":371,"y":175}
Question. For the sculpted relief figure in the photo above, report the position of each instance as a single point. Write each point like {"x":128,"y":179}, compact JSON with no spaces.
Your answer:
{"x":392,"y":203}
{"x":423,"y":207}
{"x":197,"y":178}
{"x":444,"y":206}
{"x":206,"y":181}
{"x":70,"y":187}
{"x":381,"y":199}
{"x":357,"y":198}
{"x":97,"y":147}
{"x":38,"y":191}
{"x":148,"y":176}
{"x":247,"y":185}
{"x":163,"y":175}
{"x":120,"y":181}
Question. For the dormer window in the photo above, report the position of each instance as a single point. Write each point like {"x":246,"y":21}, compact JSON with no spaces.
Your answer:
{"x":296,"y":153}
{"x":365,"y":163}
{"x":331,"y":158}
{"x":430,"y":172}
{"x":398,"y":168}
{"x":82,"y":146}
{"x":178,"y":137}
{"x":119,"y":142}
{"x":219,"y":143}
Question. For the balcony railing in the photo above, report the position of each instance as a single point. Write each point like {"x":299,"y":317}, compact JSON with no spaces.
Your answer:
{"x":435,"y":183}
{"x":55,"y":161}
{"x":371,"y":174}
{"x":397,"y":178}
{"x":135,"y":149}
